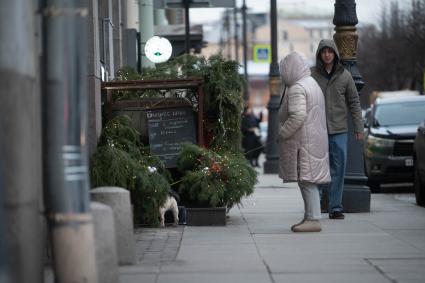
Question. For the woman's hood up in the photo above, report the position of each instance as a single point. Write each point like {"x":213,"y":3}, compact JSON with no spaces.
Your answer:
{"x":293,"y":68}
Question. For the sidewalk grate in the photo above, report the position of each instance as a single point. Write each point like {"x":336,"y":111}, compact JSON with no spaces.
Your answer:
{"x":158,"y":245}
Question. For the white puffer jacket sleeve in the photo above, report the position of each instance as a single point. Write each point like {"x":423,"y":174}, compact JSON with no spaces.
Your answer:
{"x":297,"y":112}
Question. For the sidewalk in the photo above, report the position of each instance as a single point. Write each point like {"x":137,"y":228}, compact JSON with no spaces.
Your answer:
{"x":256,"y":245}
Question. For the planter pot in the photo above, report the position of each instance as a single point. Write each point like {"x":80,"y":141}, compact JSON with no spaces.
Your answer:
{"x":206,"y":216}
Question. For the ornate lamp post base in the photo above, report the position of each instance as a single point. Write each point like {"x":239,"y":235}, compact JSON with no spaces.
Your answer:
{"x":271,"y":165}
{"x":356,"y":196}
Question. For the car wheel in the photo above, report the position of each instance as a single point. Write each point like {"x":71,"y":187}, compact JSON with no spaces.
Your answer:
{"x":374,"y":186}
{"x":419,"y":188}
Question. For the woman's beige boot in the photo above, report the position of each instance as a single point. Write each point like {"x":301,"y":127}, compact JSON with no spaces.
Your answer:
{"x":299,"y":223}
{"x":307,"y":226}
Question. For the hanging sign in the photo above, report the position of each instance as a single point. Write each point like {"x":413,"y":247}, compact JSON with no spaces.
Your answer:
{"x":158,"y":49}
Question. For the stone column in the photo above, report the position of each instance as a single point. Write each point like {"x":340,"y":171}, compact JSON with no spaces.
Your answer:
{"x":20,"y":145}
{"x":132,"y":11}
{"x":117,"y":31}
{"x":106,"y":36}
{"x":159,"y":18}
{"x":118,"y":199}
{"x":105,"y":242}
{"x":94,"y":76}
{"x":145,"y":29}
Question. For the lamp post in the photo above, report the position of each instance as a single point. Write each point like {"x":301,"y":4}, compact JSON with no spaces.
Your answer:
{"x":187,"y":26}
{"x":356,"y":196}
{"x":245,"y":47}
{"x":271,"y":166}
{"x":236,"y":36}
{"x":66,"y":179}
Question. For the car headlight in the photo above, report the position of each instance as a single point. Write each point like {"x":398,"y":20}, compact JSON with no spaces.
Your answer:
{"x":375,"y":145}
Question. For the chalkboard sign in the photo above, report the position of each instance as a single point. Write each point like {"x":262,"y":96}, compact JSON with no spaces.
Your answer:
{"x":168,"y":129}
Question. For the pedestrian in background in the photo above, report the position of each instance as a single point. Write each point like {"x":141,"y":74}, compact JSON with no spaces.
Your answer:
{"x":303,"y":139}
{"x":341,"y":96}
{"x":251,"y":142}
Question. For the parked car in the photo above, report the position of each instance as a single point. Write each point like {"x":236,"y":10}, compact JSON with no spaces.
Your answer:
{"x":366,"y":113}
{"x":390,"y":131}
{"x":419,"y":165}
{"x":263,"y":132}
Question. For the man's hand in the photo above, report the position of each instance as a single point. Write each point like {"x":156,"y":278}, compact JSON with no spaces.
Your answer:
{"x":359,"y":136}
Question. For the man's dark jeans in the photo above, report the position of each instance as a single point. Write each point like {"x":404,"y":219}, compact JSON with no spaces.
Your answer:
{"x":337,"y":163}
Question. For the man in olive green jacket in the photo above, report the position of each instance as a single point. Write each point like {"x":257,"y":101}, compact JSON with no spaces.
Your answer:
{"x":340,"y":96}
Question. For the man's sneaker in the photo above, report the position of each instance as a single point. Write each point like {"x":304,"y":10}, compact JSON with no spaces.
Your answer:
{"x":307,"y":226}
{"x":336,"y":215}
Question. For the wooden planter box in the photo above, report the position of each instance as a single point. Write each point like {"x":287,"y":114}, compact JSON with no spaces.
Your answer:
{"x":206,"y":216}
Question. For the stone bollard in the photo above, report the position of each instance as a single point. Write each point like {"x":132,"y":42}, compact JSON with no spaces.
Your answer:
{"x":106,"y":248}
{"x":119,"y":201}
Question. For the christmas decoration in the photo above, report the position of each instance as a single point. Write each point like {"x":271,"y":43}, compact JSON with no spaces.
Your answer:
{"x":218,"y":175}
{"x":211,"y":179}
{"x":121,"y":160}
{"x":222,"y":90}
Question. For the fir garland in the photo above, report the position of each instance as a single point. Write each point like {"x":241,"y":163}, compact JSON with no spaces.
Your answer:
{"x":222,"y":89}
{"x":220,"y":176}
{"x":212,"y":179}
{"x":121,"y":160}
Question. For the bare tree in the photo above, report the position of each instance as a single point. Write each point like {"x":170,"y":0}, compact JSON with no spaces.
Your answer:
{"x":392,"y":57}
{"x":416,"y":40}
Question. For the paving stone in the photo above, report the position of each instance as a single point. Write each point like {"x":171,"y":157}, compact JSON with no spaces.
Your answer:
{"x":386,"y":245}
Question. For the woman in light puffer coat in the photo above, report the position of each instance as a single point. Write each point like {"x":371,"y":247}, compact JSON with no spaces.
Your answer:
{"x":303,"y":138}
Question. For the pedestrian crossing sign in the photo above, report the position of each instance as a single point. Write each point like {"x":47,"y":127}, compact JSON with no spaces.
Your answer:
{"x":262,"y":53}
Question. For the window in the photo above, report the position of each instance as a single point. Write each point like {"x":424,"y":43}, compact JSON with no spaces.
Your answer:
{"x":285,"y":35}
{"x":407,"y":113}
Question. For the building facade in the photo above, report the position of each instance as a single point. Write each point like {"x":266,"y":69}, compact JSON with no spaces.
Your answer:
{"x":301,"y":33}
